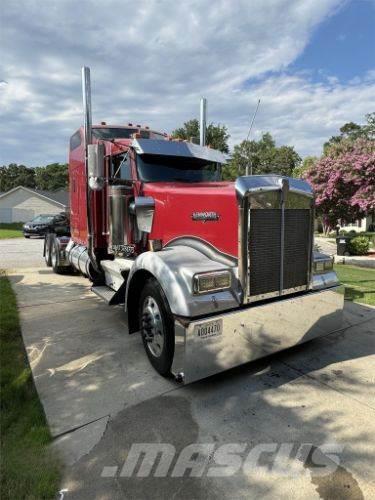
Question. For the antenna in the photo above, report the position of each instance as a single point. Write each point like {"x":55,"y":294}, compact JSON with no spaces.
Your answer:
{"x":248,"y":135}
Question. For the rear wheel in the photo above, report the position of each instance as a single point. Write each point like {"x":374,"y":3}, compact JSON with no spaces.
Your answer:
{"x":47,"y":251}
{"x":157,"y":328}
{"x":55,"y":259}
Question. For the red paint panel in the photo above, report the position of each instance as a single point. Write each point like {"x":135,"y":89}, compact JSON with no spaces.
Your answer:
{"x":176,"y":202}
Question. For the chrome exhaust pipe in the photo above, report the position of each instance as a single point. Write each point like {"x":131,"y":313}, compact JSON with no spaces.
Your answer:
{"x":202,"y":124}
{"x":87,"y":123}
{"x":87,"y":114}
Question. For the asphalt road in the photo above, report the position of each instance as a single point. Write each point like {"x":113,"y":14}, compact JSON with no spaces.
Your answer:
{"x":101,"y":396}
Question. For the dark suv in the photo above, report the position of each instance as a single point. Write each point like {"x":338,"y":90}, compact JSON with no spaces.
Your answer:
{"x":40,"y":225}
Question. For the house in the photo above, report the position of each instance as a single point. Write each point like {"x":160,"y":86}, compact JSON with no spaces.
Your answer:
{"x":365,"y":224}
{"x":22,"y":204}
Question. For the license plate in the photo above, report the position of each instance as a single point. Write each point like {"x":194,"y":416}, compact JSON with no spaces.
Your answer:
{"x":209,"y":329}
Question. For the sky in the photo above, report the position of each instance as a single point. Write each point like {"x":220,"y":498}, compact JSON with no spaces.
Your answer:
{"x":310,"y":62}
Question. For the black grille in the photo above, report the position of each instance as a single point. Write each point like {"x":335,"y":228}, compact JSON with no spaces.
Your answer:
{"x":296,"y":247}
{"x":265,"y":241}
{"x":265,"y":249}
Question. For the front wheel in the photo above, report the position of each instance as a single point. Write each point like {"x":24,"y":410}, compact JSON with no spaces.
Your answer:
{"x":157,"y":327}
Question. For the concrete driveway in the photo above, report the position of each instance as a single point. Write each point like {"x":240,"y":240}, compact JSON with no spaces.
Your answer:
{"x":16,"y":253}
{"x":101,"y":397}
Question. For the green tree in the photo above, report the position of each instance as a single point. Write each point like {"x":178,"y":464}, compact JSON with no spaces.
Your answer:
{"x":216,"y":135}
{"x":351,"y":132}
{"x":261,"y":157}
{"x":15,"y":175}
{"x":370,"y":126}
{"x":307,"y":164}
{"x":52,"y":177}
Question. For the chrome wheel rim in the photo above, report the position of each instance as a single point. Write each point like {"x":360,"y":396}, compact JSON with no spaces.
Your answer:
{"x":152,"y":327}
{"x":47,"y":252}
{"x":53,"y":256}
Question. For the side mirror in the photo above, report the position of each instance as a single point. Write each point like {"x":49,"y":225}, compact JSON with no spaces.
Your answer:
{"x":95,"y":166}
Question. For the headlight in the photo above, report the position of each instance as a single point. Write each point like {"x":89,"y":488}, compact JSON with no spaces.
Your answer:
{"x":328,"y":265}
{"x":323,"y":266}
{"x":211,"y":282}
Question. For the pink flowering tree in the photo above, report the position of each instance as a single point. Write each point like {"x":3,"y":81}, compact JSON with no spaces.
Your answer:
{"x":344,"y":182}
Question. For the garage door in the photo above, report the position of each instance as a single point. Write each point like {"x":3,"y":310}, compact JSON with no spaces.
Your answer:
{"x":22,"y":214}
{"x":16,"y":215}
{"x":5,"y":215}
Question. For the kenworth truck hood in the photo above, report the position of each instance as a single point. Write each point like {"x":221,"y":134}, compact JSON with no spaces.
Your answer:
{"x":202,"y":210}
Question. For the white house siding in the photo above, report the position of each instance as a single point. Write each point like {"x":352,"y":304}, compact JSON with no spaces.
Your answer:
{"x":21,"y":206}
{"x":360,"y":225}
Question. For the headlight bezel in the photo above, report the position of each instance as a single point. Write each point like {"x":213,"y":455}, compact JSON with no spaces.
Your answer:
{"x":199,"y":289}
{"x":322,"y":266}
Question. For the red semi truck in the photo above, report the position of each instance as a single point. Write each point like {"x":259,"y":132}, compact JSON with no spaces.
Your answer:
{"x":212,"y":274}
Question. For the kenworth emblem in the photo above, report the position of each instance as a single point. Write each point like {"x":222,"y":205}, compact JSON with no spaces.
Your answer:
{"x":205,"y":216}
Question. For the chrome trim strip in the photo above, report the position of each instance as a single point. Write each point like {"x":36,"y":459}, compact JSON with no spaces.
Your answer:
{"x":311,"y":245}
{"x":203,"y":246}
{"x":295,"y":289}
{"x":278,"y":293}
{"x":284,"y":194}
{"x":258,"y":183}
{"x":264,"y":296}
{"x":243,"y":242}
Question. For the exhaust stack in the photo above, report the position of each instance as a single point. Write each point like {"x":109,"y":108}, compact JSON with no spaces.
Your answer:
{"x":87,"y":115}
{"x":203,"y":119}
{"x":87,"y":123}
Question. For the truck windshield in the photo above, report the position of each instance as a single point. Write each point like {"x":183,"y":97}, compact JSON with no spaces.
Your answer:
{"x":109,"y":133}
{"x":154,"y":168}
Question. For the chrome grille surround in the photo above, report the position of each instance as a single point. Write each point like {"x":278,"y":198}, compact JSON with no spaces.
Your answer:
{"x":287,"y":206}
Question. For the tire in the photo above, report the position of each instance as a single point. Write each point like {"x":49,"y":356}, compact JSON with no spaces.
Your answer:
{"x":55,"y":259}
{"x":157,"y":327}
{"x":27,"y":236}
{"x":47,"y":251}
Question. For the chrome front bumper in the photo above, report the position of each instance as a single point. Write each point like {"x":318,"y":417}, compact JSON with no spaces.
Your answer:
{"x":208,"y":346}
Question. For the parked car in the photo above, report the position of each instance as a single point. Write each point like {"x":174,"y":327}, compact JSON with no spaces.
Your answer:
{"x":39,"y":225}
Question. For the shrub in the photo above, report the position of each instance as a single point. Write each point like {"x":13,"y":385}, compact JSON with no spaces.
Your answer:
{"x":359,"y":245}
{"x":370,"y":235}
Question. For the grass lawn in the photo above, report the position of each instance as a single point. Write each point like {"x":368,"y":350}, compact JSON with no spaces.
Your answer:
{"x":12,"y":230}
{"x":29,"y":469}
{"x":359,"y":283}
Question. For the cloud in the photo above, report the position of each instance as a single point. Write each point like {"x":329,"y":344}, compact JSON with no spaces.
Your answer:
{"x":151,"y":61}
{"x":305,"y":114}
